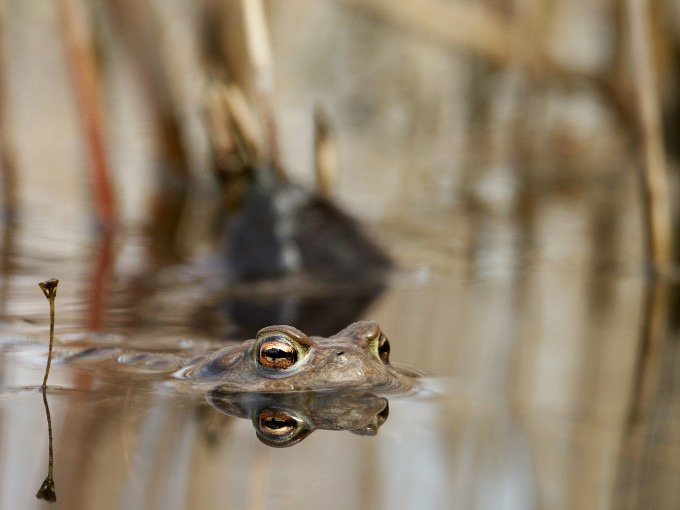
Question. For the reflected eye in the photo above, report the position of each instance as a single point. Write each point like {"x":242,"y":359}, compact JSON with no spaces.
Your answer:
{"x":276,"y":423}
{"x":384,"y":349}
{"x":279,"y":428}
{"x":277,"y":353}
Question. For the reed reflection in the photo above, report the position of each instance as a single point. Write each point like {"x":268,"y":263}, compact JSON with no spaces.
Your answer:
{"x":649,"y":452}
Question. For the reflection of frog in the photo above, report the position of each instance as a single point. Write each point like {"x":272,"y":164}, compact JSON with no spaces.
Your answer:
{"x":282,"y":420}
{"x":283,"y":359}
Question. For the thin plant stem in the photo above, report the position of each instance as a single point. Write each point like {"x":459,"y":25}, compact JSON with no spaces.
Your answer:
{"x":49,"y":288}
{"x":50,"y":467}
{"x":47,"y":490}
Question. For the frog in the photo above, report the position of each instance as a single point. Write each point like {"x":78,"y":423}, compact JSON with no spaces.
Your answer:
{"x":283,"y":359}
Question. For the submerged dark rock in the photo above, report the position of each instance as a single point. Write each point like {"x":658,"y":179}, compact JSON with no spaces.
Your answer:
{"x":294,"y":257}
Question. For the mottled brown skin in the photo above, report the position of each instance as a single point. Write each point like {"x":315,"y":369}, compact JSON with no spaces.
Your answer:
{"x":283,"y":359}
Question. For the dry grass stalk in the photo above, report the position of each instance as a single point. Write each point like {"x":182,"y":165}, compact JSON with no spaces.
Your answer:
{"x":49,"y":288}
{"x":242,"y":120}
{"x":217,"y":124}
{"x":232,"y":128}
{"x":656,"y":200}
{"x":325,"y":153}
{"x":260,"y":59}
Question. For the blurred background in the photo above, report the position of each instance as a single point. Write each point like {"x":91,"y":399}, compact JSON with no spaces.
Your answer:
{"x":474,"y":109}
{"x":517,"y":161}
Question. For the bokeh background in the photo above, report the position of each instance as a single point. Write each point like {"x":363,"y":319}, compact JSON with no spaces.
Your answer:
{"x":500,"y":151}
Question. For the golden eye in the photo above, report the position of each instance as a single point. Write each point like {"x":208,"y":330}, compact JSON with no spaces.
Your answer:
{"x":279,"y":428}
{"x":384,"y":349}
{"x":277,"y":353}
{"x":276,"y":423}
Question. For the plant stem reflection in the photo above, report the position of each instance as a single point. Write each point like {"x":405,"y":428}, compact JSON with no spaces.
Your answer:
{"x":47,"y":490}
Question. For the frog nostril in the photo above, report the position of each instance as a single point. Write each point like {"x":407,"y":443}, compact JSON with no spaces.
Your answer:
{"x":340,"y":353}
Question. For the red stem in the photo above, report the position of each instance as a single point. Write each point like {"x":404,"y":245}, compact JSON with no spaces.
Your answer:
{"x":84,"y":74}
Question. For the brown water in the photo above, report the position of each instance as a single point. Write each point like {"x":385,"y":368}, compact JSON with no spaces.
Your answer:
{"x":551,"y":386}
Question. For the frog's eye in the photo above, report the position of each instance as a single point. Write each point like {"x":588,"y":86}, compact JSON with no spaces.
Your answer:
{"x":378,"y":343}
{"x":279,"y":348}
{"x":384,"y":349}
{"x":277,"y":352}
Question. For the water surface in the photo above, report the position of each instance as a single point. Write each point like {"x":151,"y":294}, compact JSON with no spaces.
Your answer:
{"x":551,"y":386}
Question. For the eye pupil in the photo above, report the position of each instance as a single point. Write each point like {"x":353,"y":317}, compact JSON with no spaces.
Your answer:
{"x":277,"y":354}
{"x":276,"y":423}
